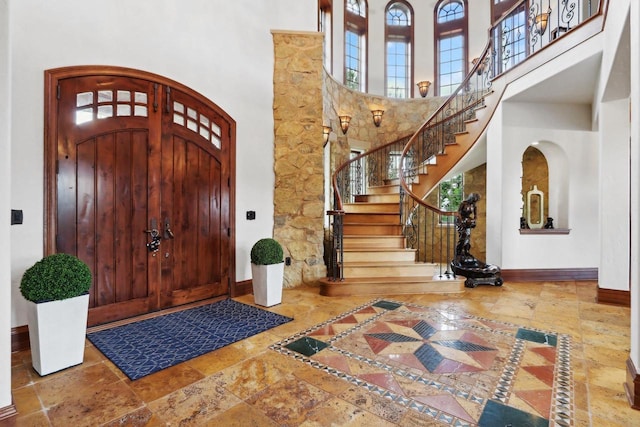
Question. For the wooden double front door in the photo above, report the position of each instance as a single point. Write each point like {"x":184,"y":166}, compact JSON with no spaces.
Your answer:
{"x":139,"y":187}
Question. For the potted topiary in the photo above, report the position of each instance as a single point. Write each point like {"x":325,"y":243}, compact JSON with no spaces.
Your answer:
{"x":57,"y":292}
{"x":267,"y":269}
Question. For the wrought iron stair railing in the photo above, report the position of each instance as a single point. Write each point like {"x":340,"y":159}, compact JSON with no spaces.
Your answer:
{"x":427,"y":228}
{"x":382,"y":166}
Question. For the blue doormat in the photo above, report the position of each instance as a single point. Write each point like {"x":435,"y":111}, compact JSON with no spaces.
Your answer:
{"x":148,"y":346}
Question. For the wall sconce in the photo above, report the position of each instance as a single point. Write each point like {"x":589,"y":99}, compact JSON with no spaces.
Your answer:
{"x":423,"y":87}
{"x":326,"y":130}
{"x":344,"y":123}
{"x":377,"y":117}
{"x":541,"y":21}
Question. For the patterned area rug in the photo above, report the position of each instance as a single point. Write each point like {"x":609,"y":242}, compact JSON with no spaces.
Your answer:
{"x":148,"y":346}
{"x":457,"y":369}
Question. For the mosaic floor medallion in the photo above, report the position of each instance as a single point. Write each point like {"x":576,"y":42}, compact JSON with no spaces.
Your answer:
{"x":458,"y":369}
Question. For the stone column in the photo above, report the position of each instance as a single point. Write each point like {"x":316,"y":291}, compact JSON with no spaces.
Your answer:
{"x":298,"y":157}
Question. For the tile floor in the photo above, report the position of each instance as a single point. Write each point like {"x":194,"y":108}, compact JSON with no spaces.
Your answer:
{"x":249,"y":384}
{"x":458,"y":369}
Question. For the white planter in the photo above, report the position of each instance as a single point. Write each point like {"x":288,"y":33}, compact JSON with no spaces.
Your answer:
{"x":57,"y":331}
{"x":267,"y":283}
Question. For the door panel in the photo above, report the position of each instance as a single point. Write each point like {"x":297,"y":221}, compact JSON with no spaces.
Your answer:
{"x":102,"y":192}
{"x":191,"y":181}
{"x":131,"y":154}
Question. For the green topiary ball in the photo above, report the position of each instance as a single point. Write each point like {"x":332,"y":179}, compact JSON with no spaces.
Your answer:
{"x":266,"y":252}
{"x":56,"y":277}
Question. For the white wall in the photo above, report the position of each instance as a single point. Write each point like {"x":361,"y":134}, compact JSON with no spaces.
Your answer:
{"x":551,"y":251}
{"x":634,"y":73}
{"x":222,"y":49}
{"x":495,"y":183}
{"x":614,"y":186}
{"x":5,"y":206}
{"x":571,"y":148}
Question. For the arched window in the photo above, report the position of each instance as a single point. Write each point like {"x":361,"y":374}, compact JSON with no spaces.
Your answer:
{"x":325,"y":25}
{"x":355,"y":44}
{"x":450,"y":35}
{"x":399,"y":49}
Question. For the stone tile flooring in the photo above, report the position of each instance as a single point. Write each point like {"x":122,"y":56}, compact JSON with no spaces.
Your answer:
{"x":250,"y":384}
{"x":458,"y":369}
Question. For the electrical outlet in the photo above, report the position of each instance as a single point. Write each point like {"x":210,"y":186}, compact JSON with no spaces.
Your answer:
{"x":251,"y":215}
{"x":287,"y":261}
{"x":16,"y":216}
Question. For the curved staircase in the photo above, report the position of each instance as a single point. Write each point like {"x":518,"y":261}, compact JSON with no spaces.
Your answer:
{"x":377,"y":245}
{"x":373,"y":256}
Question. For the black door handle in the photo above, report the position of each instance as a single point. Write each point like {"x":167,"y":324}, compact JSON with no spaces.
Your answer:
{"x":168,"y":234}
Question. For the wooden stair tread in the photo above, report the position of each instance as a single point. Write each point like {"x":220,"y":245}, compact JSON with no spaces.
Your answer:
{"x":400,"y":279}
{"x":371,"y":203}
{"x":386,"y":264}
{"x":369,"y":236}
{"x":370,"y":249}
{"x":373,"y":213}
{"x":383,"y":189}
{"x":380,"y":186}
{"x":390,"y":286}
{"x":360,"y":224}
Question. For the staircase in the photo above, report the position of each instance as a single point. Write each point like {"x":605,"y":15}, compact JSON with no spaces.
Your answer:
{"x":381,"y":239}
{"x":375,"y":259}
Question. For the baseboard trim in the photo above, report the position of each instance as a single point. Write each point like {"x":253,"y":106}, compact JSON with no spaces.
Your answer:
{"x":632,"y":385}
{"x":549,"y":274}
{"x":20,"y":338}
{"x":615,"y":297}
{"x":242,"y":288}
{"x":8,"y":412}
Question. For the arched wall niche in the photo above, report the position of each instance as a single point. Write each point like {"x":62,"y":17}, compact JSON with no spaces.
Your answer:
{"x":535,"y":176}
{"x":545,"y":164}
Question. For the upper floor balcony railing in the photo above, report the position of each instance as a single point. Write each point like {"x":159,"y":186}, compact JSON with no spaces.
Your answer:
{"x":531,"y":25}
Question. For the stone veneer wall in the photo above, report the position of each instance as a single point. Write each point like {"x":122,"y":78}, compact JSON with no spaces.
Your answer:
{"x":298,"y":154}
{"x":401,"y":117}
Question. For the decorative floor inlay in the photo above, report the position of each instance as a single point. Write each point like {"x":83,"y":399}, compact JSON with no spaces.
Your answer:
{"x":458,"y":369}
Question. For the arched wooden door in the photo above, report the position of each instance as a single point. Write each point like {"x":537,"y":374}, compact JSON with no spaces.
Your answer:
{"x":141,"y":191}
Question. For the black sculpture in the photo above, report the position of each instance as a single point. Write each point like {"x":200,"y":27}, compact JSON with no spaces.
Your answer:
{"x":465,"y":264}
